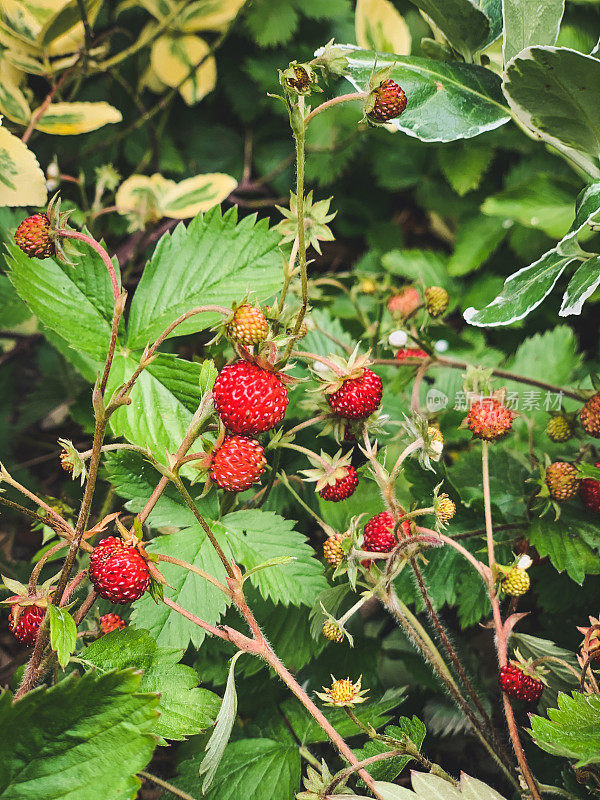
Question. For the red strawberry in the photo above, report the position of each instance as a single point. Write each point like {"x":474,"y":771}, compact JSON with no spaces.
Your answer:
{"x":407,"y":353}
{"x":379,"y":533}
{"x":357,"y":398}
{"x":28,"y":624}
{"x":33,"y":236}
{"x":519,"y":685}
{"x":489,"y":419}
{"x":405,"y":302}
{"x":118,"y":571}
{"x":249,"y":399}
{"x":111,"y":622}
{"x":342,"y":488}
{"x":589,"y":491}
{"x":390,"y":102}
{"x":238,"y":463}
{"x":590,"y":416}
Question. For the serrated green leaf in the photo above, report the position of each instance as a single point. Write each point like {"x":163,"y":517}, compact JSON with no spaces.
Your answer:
{"x":255,"y":537}
{"x":572,"y":730}
{"x":582,"y":285}
{"x":76,"y":303}
{"x":195,"y":594}
{"x":216,"y":260}
{"x":561,"y":541}
{"x":135,"y":479}
{"x":446,"y":101}
{"x":163,"y":400}
{"x":551,"y":89}
{"x":63,"y":634}
{"x":62,"y":739}
{"x":248,"y":766}
{"x":390,"y":768}
{"x":524,"y":27}
{"x":428,"y":266}
{"x":184,"y":708}
{"x":222,"y":730}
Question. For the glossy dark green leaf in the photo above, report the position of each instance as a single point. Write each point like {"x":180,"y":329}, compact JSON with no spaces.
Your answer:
{"x":553,"y":90}
{"x":446,"y":101}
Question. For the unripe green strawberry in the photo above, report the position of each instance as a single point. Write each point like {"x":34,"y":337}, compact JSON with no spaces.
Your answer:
{"x":332,"y":631}
{"x":248,"y":325}
{"x":559,"y":429}
{"x":389,"y":102}
{"x":332,"y":549}
{"x":590,"y":416}
{"x":33,"y":236}
{"x":562,"y":481}
{"x":516,"y":583}
{"x":445,"y":510}
{"x":436,"y":300}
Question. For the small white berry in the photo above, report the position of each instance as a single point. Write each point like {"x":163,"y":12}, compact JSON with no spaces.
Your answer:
{"x":441,"y":346}
{"x":398,"y":338}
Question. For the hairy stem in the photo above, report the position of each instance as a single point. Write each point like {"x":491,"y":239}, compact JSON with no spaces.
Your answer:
{"x":501,"y":638}
{"x":343,"y":98}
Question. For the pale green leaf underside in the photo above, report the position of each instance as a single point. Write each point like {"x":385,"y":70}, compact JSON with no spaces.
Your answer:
{"x":553,"y":90}
{"x":446,"y":101}
{"x":463,"y":23}
{"x":526,"y":25}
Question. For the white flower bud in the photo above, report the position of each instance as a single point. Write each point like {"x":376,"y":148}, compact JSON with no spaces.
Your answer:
{"x":441,"y":346}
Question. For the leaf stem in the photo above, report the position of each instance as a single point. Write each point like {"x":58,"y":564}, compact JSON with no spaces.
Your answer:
{"x":166,"y":785}
{"x":196,"y":570}
{"x":501,"y":635}
{"x":343,"y":98}
{"x":454,"y":363}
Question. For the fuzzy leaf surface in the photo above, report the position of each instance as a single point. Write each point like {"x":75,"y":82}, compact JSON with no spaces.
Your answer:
{"x":184,"y":708}
{"x":571,"y":730}
{"x":215,"y":260}
{"x":62,"y":739}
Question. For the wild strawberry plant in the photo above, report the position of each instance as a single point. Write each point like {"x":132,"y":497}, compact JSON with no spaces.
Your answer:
{"x":296,"y":471}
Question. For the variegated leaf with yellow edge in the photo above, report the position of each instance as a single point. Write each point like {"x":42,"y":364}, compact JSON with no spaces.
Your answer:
{"x":66,"y":119}
{"x":144,"y":199}
{"x":208,"y":15}
{"x":200,"y":193}
{"x":9,"y":71}
{"x":380,"y":27}
{"x":22,"y":182}
{"x":158,"y":8}
{"x":139,"y":198}
{"x":13,"y":103}
{"x":23,"y":25}
{"x":173,"y":58}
